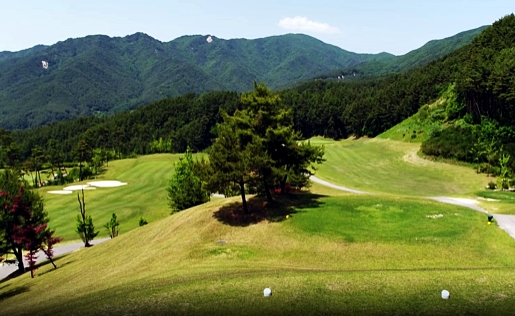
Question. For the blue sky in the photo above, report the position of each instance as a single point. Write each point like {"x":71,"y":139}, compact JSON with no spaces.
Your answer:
{"x":363,"y":26}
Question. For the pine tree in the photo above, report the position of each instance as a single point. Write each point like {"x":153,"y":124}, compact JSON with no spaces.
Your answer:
{"x":112,"y":226}
{"x":185,"y":188}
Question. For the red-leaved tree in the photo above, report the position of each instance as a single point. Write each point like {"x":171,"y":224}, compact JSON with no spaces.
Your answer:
{"x":23,"y":222}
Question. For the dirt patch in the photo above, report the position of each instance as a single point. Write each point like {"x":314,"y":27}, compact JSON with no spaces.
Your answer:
{"x":413,"y":158}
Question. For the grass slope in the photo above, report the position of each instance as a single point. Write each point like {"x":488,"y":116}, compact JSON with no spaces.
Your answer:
{"x":337,"y":253}
{"x":346,"y":254}
{"x":387,"y":166}
{"x":145,"y":195}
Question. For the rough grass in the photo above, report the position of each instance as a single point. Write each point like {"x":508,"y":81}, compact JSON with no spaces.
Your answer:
{"x":386,"y":166}
{"x":410,"y":130}
{"x":145,"y":195}
{"x":347,"y":254}
{"x":498,"y":202}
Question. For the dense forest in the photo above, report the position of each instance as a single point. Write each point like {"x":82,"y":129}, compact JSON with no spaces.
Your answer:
{"x":98,"y":75}
{"x":482,"y":76}
{"x":430,"y":51}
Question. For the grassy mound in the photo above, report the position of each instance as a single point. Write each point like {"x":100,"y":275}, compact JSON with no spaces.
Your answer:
{"x":353,"y":254}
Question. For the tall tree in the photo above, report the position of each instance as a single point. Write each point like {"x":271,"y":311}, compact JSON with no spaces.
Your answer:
{"x":271,"y":124}
{"x":235,"y":157}
{"x":83,"y":151}
{"x":85,"y":227}
{"x":23,"y":221}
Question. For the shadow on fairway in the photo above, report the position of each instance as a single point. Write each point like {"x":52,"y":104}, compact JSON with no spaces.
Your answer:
{"x":13,"y":292}
{"x":260,"y":210}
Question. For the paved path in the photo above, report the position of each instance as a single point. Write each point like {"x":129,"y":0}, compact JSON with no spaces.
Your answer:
{"x":505,"y":222}
{"x":334,"y":186}
{"x":7,"y":269}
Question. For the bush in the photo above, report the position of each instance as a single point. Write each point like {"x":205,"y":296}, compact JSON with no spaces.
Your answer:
{"x":492,"y":185}
{"x":73,"y":175}
{"x":451,"y":143}
{"x":142,"y":221}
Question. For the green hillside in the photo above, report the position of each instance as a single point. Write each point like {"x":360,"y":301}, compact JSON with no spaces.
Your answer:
{"x":430,"y":51}
{"x":373,"y":254}
{"x":98,"y":74}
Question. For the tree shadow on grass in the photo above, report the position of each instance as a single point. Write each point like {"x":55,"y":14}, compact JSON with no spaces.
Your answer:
{"x":17,"y":273}
{"x":13,"y":292}
{"x":260,"y":210}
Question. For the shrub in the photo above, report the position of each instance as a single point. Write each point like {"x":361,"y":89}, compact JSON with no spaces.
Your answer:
{"x":492,"y":185}
{"x":142,"y":221}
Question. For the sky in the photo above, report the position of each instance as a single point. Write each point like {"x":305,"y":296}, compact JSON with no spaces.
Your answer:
{"x":361,"y":26}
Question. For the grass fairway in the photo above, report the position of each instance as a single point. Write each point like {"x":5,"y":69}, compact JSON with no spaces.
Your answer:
{"x":386,"y":166}
{"x":341,"y":254}
{"x":145,"y":195}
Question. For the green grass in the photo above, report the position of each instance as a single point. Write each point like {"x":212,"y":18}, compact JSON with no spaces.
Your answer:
{"x":497,"y":202}
{"x":145,"y":195}
{"x":409,"y":130}
{"x":386,"y":166}
{"x":338,"y":253}
{"x":397,"y":261}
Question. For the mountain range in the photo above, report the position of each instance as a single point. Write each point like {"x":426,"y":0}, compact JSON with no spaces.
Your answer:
{"x":99,"y":75}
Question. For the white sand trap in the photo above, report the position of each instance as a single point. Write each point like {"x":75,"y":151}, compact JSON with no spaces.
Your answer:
{"x":107,"y":184}
{"x":79,"y":187}
{"x":60,"y":192}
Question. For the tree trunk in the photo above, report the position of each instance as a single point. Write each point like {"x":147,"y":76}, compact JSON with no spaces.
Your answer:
{"x":19,"y":257}
{"x":80,"y":170}
{"x":49,"y":258}
{"x":243,"y":199}
{"x":283,"y":184}
{"x":267,"y":191}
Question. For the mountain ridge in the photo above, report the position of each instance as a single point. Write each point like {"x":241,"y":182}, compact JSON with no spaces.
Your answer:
{"x":98,"y":74}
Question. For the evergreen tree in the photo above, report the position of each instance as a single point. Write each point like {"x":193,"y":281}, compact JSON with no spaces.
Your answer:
{"x":185,"y":188}
{"x":112,"y":226}
{"x":85,"y":227}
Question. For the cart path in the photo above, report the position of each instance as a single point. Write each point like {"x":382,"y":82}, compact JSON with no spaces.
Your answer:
{"x":7,"y":269}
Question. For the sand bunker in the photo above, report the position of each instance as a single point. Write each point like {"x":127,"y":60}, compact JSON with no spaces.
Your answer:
{"x":78,"y":188}
{"x":107,"y":184}
{"x":60,"y":192}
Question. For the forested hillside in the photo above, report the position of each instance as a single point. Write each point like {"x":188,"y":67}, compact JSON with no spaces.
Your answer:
{"x":479,"y":78}
{"x":430,"y":51}
{"x":99,"y":75}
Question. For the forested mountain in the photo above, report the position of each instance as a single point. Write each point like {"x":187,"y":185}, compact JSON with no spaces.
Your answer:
{"x":430,"y":51}
{"x":99,"y":75}
{"x":480,"y":76}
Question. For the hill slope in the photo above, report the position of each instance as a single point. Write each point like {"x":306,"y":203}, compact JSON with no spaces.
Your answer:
{"x":98,"y":74}
{"x":432,"y":50}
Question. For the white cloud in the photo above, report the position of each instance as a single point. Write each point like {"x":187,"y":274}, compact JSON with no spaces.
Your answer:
{"x":301,"y":23}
